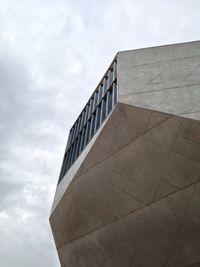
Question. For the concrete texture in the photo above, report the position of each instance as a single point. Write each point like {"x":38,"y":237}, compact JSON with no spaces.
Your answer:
{"x":132,"y":198}
{"x":72,"y":173}
{"x":135,"y":200}
{"x":165,"y":78}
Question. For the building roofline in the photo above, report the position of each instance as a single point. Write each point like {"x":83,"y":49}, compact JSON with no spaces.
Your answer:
{"x":150,"y":47}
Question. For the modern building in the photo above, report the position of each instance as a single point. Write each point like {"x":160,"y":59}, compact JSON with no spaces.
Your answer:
{"x":129,"y":188}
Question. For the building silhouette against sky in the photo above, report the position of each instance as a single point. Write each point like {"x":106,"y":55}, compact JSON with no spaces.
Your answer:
{"x":128,"y":192}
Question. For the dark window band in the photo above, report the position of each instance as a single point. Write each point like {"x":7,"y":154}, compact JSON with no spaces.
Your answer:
{"x":94,"y":113}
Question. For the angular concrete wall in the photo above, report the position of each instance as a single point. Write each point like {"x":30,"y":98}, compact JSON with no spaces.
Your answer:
{"x":136,"y":199}
{"x":165,"y":78}
{"x":132,"y":198}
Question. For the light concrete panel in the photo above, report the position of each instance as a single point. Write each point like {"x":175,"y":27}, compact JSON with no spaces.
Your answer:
{"x":159,"y":76}
{"x":165,"y":78}
{"x":89,"y":157}
{"x":184,"y":101}
{"x":146,"y":169}
{"x":165,"y":233}
{"x":151,"y":55}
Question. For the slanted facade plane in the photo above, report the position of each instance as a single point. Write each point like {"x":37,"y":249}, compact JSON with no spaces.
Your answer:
{"x":128,"y":194}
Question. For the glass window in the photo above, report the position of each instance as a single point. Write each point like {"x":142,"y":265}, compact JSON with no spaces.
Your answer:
{"x":103,"y":109}
{"x":92,"y":127}
{"x":100,"y":93}
{"x":82,"y":118}
{"x":98,"y":115}
{"x":78,"y":126}
{"x":77,"y":147}
{"x":86,"y":114}
{"x":82,"y":139}
{"x":87,"y":133}
{"x":95,"y":101}
{"x":72,"y":139}
{"x":114,"y":93}
{"x":91,"y":107}
{"x":97,"y":109}
{"x":110,"y":77}
{"x":109,"y":101}
{"x":105,"y":81}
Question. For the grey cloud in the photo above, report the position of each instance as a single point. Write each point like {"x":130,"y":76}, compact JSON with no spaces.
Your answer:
{"x":7,"y":188}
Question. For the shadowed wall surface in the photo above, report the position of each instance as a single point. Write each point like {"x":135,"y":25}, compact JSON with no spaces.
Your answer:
{"x":132,"y":197}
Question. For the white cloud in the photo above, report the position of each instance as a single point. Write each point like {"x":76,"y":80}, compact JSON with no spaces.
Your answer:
{"x":52,"y":55}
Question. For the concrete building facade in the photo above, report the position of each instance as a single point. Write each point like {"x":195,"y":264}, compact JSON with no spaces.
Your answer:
{"x":129,"y":188}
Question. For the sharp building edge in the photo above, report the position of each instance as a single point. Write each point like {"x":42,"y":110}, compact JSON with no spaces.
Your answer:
{"x":129,"y":189}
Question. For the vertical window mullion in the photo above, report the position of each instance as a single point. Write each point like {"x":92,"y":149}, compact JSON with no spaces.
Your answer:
{"x":106,"y":99}
{"x":110,"y":77}
{"x":103,"y":110}
{"x":109,"y":100}
{"x":100,"y":93}
{"x":74,"y":135}
{"x":82,"y":139}
{"x":82,"y":119}
{"x":115,"y":93}
{"x":88,"y":133}
{"x":78,"y":126}
{"x":98,"y":117}
{"x":105,"y":81}
{"x":91,"y":107}
{"x":85,"y":138}
{"x":86,"y":114}
{"x":77,"y":147}
{"x":95,"y":101}
{"x":92,"y":125}
{"x":73,"y":152}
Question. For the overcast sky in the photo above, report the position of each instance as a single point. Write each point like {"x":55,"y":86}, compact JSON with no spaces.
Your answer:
{"x":52,"y":55}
